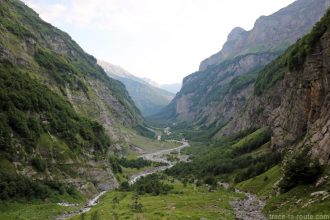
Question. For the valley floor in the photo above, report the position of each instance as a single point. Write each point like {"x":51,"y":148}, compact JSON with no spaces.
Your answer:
{"x":185,"y":202}
{"x":50,"y":209}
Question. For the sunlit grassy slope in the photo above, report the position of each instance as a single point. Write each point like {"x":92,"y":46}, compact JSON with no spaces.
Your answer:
{"x":188,"y":202}
{"x":261,"y":185}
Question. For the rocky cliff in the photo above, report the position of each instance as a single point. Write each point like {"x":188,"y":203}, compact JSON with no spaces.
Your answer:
{"x":292,"y":96}
{"x":213,"y":95}
{"x":271,"y":33}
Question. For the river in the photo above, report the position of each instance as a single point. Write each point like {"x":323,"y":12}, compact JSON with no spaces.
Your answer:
{"x":158,"y":156}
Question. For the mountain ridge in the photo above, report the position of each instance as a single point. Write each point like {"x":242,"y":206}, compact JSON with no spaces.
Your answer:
{"x":148,"y":98}
{"x":269,"y":27}
{"x":291,"y":95}
{"x":211,"y":96}
{"x":62,"y":115}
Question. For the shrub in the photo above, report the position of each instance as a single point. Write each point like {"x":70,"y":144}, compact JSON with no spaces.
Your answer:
{"x":136,"y":205}
{"x":134,"y":163}
{"x":96,"y":215}
{"x":15,"y":186}
{"x":299,"y":168}
{"x":151,"y":184}
{"x":210,"y":180}
{"x":39,"y":164}
{"x":116,"y":168}
{"x":124,"y":186}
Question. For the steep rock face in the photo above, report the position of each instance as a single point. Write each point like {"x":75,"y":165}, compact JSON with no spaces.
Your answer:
{"x":79,"y":74}
{"x":305,"y":106}
{"x":148,"y":98}
{"x":297,"y":107}
{"x":214,"y":94}
{"x":273,"y":32}
{"x":213,"y":98}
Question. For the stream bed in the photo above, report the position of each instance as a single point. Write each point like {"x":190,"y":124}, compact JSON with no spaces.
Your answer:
{"x":249,"y":208}
{"x":159,"y":156}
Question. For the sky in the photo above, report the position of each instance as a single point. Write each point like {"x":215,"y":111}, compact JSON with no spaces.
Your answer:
{"x":163,"y":40}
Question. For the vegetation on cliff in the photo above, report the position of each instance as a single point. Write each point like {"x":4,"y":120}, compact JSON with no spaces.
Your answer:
{"x":293,"y":58}
{"x":53,"y":99}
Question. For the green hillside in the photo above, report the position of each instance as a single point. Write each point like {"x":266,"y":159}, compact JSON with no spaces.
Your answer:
{"x":59,"y":110}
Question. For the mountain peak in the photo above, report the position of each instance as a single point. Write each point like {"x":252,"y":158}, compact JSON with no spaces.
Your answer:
{"x":235,"y":33}
{"x":148,"y":97}
{"x":271,"y":33}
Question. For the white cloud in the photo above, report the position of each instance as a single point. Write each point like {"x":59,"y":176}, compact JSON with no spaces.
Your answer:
{"x":159,"y":39}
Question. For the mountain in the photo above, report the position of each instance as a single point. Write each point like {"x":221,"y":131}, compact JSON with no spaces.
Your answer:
{"x":148,"y":98}
{"x":173,"y":88}
{"x":117,"y":71}
{"x":278,"y":144}
{"x":151,"y":82}
{"x":60,"y":112}
{"x":270,"y":33}
{"x":291,"y":96}
{"x":210,"y":97}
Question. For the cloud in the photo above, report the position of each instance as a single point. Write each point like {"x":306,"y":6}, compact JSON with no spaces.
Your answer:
{"x":124,"y":14}
{"x":47,"y":12}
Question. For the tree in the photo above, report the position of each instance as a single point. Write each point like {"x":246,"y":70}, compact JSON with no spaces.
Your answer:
{"x":136,"y":206}
{"x":115,"y":201}
{"x":124,"y":186}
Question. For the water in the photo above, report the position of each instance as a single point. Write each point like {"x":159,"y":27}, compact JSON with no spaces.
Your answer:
{"x":159,"y":156}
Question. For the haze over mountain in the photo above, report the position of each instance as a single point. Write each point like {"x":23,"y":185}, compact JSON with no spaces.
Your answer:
{"x":171,"y":87}
{"x":147,"y":97}
{"x":174,"y":88}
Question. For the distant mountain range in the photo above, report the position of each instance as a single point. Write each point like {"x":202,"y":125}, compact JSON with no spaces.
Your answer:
{"x":174,"y":87}
{"x":171,"y":87}
{"x":149,"y":98}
